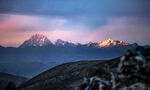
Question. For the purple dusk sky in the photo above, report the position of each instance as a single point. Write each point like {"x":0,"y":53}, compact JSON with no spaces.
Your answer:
{"x":75,"y":20}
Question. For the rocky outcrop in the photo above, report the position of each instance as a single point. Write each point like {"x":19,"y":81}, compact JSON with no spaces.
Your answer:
{"x":132,"y":73}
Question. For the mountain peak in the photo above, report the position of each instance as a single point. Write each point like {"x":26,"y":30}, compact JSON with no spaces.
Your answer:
{"x":37,"y":40}
{"x":60,"y":42}
{"x":39,"y":37}
{"x":110,"y":42}
{"x":109,"y":39}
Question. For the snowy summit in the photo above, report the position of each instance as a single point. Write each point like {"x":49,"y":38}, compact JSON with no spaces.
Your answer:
{"x":110,"y":42}
{"x":37,"y":40}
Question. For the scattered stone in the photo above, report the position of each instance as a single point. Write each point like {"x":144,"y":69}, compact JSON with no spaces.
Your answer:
{"x":132,"y":73}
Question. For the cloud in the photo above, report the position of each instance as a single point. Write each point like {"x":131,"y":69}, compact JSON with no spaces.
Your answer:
{"x":31,"y":23}
{"x":8,"y":26}
{"x":128,"y":29}
{"x":15,"y":29}
{"x":14,"y":39}
{"x":73,"y":8}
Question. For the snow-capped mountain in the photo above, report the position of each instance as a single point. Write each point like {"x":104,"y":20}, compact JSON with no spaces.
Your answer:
{"x":41,"y":40}
{"x":61,"y":42}
{"x":107,"y":43}
{"x":37,"y":40}
{"x":110,"y":43}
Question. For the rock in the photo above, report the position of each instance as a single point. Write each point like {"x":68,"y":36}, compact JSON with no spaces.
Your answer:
{"x":132,"y":73}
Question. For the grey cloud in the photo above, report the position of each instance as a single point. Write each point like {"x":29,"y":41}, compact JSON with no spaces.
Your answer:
{"x":70,"y":8}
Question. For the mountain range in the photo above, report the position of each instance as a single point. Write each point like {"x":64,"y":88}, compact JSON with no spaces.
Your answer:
{"x":41,"y":40}
{"x":38,"y":54}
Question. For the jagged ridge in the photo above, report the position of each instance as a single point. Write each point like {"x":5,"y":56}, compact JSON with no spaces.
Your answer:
{"x":41,"y":40}
{"x":37,"y":40}
{"x":111,"y":42}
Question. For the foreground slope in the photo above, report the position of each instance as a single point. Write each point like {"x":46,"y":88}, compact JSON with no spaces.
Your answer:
{"x":65,"y":76}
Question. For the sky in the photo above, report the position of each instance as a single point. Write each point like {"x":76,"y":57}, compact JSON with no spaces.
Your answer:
{"x":78,"y":21}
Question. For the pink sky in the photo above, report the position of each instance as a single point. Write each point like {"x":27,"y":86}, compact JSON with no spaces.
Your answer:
{"x":15,"y":29}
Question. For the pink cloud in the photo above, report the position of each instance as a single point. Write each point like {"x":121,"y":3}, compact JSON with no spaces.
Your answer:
{"x":127,"y":29}
{"x":6,"y":26}
{"x":13,"y":38}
